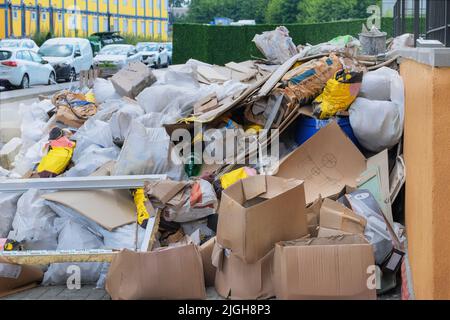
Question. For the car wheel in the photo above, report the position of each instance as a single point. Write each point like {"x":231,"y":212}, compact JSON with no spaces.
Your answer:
{"x":52,"y":78}
{"x":169,"y":61}
{"x":72,"y":75}
{"x":25,"y":82}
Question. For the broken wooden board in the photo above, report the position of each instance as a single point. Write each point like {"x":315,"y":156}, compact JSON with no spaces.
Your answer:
{"x":43,"y":257}
{"x":108,"y":208}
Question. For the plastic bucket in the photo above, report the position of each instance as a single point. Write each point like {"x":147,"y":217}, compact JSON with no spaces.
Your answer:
{"x":307,"y":127}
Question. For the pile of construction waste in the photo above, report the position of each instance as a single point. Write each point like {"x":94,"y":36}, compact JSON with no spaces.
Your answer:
{"x":114,"y":179}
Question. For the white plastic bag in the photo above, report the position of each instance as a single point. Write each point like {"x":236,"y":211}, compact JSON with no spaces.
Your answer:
{"x":104,"y":90}
{"x":147,"y":151}
{"x":376,"y":124}
{"x":34,"y":222}
{"x":121,"y":120}
{"x":93,"y":132}
{"x":377,"y":119}
{"x":34,"y":121}
{"x":276,"y":45}
{"x":8,"y":207}
{"x":74,"y":236}
{"x":92,"y":158}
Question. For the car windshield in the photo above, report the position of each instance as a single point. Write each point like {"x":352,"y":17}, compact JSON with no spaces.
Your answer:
{"x":56,"y":50}
{"x":113,"y":50}
{"x":4,"y":55}
{"x":169,"y":47}
{"x":10,"y":43}
{"x":147,"y":47}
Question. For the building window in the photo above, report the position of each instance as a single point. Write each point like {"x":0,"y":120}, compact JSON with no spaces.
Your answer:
{"x":135,"y":27}
{"x":84,"y":23}
{"x":116,"y":24}
{"x":59,"y":16}
{"x":143,"y":27}
{"x":15,"y":14}
{"x":125,"y":3}
{"x":151,"y":27}
{"x":142,"y":4}
{"x":159,"y":27}
{"x":44,"y":16}
{"x":72,"y":22}
{"x":95,"y":24}
{"x":125,"y":26}
{"x":116,"y":2}
{"x":33,"y":16}
{"x":159,"y":4}
{"x":105,"y":24}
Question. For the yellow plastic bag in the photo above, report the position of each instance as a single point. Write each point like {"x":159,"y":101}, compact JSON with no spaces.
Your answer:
{"x":232,"y":177}
{"x":338,"y":95}
{"x":140,"y":200}
{"x":56,"y":160}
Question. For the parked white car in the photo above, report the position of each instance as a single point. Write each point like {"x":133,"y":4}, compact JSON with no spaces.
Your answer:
{"x":23,"y":67}
{"x":68,"y":56}
{"x":114,"y":57}
{"x":19,"y":43}
{"x":153,"y":54}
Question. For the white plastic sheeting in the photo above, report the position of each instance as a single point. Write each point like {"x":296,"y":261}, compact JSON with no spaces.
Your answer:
{"x":34,"y":222}
{"x":377,"y":116}
{"x":74,"y":236}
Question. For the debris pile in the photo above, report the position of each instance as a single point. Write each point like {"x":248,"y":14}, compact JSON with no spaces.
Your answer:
{"x":134,"y":180}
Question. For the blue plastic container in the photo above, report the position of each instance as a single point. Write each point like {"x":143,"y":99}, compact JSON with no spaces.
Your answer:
{"x":307,"y":127}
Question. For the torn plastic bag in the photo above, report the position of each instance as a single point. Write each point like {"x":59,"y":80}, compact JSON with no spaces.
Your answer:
{"x":34,"y":222}
{"x":183,"y":76}
{"x":377,"y":125}
{"x":94,"y":132}
{"x":148,"y":151}
{"x":28,"y":160}
{"x":169,"y":99}
{"x":338,"y":94}
{"x":92,"y":158}
{"x":8,"y":205}
{"x":121,"y":120}
{"x":73,"y":236}
{"x":152,"y":119}
{"x":276,"y":45}
{"x":339,"y":44}
{"x":104,"y":90}
{"x":34,"y":121}
{"x":197,"y":201}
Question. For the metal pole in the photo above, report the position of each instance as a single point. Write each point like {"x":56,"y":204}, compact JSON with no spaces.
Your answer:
{"x":38,"y":19}
{"x":416,"y":20}
{"x":23,"y":13}
{"x":403,"y":17}
{"x":79,"y":183}
{"x":108,"y":14}
{"x":50,"y":12}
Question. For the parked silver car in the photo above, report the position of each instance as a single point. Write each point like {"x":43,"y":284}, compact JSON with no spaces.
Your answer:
{"x":22,"y":68}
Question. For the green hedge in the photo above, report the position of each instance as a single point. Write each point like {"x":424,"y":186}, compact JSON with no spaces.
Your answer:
{"x":222,"y":44}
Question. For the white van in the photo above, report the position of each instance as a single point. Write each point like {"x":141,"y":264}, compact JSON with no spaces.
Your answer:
{"x":68,"y":56}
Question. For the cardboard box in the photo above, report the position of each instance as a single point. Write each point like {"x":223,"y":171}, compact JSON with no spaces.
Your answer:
{"x":206,"y":251}
{"x":168,"y":273}
{"x":336,"y":216}
{"x":15,"y":278}
{"x":327,"y":162}
{"x":324,"y":268}
{"x":236,"y":279}
{"x":257,"y":212}
{"x":132,"y":79}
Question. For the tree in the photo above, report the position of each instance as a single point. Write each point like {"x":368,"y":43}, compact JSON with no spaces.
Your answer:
{"x":203,"y":11}
{"x":282,"y":11}
{"x":312,"y":11}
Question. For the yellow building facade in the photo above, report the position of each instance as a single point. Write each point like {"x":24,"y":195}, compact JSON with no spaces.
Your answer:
{"x":19,"y":18}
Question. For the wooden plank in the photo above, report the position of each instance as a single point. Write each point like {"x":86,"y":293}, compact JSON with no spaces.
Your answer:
{"x":43,"y":257}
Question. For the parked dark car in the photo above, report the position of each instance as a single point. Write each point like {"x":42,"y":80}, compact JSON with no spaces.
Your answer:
{"x":100,"y":39}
